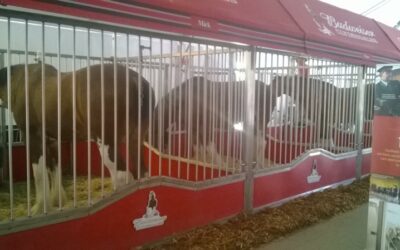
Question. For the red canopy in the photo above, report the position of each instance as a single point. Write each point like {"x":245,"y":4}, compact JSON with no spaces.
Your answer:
{"x":305,"y":26}
{"x":334,"y":32}
{"x":393,"y":34}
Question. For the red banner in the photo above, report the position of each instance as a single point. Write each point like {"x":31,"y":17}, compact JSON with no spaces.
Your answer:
{"x":386,"y":146}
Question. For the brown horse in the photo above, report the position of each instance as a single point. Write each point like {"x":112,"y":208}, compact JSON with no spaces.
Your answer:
{"x":139,"y":89}
{"x":316,"y":99}
{"x":323,"y":103}
{"x":201,"y":106}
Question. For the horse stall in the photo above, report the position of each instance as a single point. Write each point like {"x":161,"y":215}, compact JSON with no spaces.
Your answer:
{"x":125,"y":122}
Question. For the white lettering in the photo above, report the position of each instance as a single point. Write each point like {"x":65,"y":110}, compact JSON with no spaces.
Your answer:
{"x":345,"y":26}
{"x":204,"y":24}
{"x":231,"y":1}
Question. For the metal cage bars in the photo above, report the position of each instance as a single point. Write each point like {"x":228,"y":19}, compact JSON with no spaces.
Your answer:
{"x":166,"y":64}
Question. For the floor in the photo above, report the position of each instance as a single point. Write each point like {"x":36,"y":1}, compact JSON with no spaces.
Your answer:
{"x":347,"y":231}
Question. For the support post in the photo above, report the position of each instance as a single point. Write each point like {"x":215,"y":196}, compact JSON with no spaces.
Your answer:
{"x":3,"y":151}
{"x":2,"y":65}
{"x":359,"y":138}
{"x":249,"y":146}
{"x":3,"y":146}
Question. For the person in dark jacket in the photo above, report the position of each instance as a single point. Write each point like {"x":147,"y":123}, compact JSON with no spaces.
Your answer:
{"x":395,"y":80}
{"x":387,"y":93}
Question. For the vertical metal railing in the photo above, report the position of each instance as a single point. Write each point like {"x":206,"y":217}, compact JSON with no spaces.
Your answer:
{"x":10,"y":160}
{"x":59,"y":161}
{"x":27,"y":129}
{"x":359,"y":126}
{"x":102,"y":115}
{"x":127,"y":117}
{"x":166,"y":63}
{"x":74,"y":118}
{"x":89,"y":127}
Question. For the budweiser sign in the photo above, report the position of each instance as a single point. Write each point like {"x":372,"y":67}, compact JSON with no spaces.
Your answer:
{"x":330,"y":26}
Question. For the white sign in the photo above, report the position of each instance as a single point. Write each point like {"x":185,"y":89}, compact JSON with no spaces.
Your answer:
{"x":152,"y":216}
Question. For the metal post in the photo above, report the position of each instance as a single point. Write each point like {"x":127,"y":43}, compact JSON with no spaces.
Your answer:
{"x":3,"y":144}
{"x":360,"y":118}
{"x":2,"y":60}
{"x":249,"y":129}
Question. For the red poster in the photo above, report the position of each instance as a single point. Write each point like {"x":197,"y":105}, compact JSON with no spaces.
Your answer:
{"x":386,"y":124}
{"x":386,"y":146}
{"x":383,"y":211}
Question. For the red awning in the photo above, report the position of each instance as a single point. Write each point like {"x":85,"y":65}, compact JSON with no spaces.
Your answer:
{"x":393,"y":34}
{"x":336,"y":32}
{"x":305,"y":26}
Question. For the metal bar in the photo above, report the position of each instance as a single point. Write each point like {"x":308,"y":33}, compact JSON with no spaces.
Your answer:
{"x":224,"y":137}
{"x":44,"y":121}
{"x":162,"y":79}
{"x":198,"y":114}
{"x":235,"y":106}
{"x":348,"y":111}
{"x":303,"y":107}
{"x":289,"y":97}
{"x":345,"y":97}
{"x":224,"y":134}
{"x":368,"y":108}
{"x":339,"y":108}
{"x":312,"y":96}
{"x":127,"y":118}
{"x":74,"y":113}
{"x":10,"y":121}
{"x":281,"y":124}
{"x":270,"y":73}
{"x":221,"y":128}
{"x":27,"y":130}
{"x":275,"y":128}
{"x":215,"y":108}
{"x":59,"y":117}
{"x":349,"y":122}
{"x":264,"y":123}
{"x":322,"y":112}
{"x":115,"y":85}
{"x":360,"y":119}
{"x":319,"y":107}
{"x":241,"y":111}
{"x":189,"y":109}
{"x":205,"y":105}
{"x":249,"y":145}
{"x":353,"y":109}
{"x":89,"y":141}
{"x":370,"y":98}
{"x":331,"y":105}
{"x":102,"y":111}
{"x":170,"y":85}
{"x":296,"y":109}
{"x":291,"y":125}
{"x":327,"y":108}
{"x":229,"y":135}
{"x":150,"y":111}
{"x":267,"y":96}
{"x":210,"y":127}
{"x":179,"y":75}
{"x":257,"y":109}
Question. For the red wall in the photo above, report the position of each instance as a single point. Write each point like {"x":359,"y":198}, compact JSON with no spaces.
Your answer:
{"x":112,"y":228}
{"x":278,"y":186}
